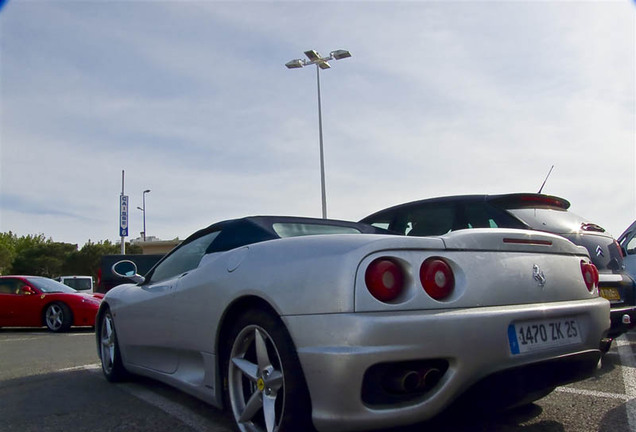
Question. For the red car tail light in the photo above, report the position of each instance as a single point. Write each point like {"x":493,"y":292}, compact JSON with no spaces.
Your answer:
{"x":437,"y":278}
{"x":385,"y":279}
{"x":590,"y":275}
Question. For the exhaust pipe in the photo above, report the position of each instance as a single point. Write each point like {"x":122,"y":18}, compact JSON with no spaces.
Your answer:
{"x":403,"y":382}
{"x":410,"y":381}
{"x":430,"y":378}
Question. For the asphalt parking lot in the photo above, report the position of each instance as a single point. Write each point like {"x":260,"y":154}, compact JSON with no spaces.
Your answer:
{"x":52,"y":382}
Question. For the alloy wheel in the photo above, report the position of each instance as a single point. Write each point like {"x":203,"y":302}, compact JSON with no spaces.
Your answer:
{"x":107,"y":338}
{"x":256,"y":381}
{"x":54,"y":317}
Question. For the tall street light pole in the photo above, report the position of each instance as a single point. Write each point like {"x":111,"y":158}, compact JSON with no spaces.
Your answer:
{"x":321,"y":63}
{"x":143,"y":209}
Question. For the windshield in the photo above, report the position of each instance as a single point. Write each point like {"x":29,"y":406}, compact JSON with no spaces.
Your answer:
{"x":49,"y":285}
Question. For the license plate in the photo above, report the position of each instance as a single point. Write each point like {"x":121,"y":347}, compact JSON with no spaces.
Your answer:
{"x":610,"y":294}
{"x":528,"y":336}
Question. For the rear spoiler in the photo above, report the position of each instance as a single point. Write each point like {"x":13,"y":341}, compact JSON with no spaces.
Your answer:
{"x":523,"y":200}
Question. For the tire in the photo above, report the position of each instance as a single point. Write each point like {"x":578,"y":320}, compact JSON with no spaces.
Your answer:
{"x":58,"y":317}
{"x":264,"y":384}
{"x":109,"y":353}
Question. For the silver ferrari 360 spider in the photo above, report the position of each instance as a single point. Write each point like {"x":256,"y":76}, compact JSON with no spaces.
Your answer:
{"x":298,"y":323}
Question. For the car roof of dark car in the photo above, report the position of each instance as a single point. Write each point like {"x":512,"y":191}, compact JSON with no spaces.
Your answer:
{"x":505,"y":200}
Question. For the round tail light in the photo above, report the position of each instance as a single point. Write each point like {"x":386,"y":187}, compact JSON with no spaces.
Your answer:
{"x":385,"y":279}
{"x":590,"y":275}
{"x":437,"y":278}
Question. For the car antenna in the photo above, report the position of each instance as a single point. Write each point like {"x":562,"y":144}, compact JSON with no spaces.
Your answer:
{"x":546,"y":178}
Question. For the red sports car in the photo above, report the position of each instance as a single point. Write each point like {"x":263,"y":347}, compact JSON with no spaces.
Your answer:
{"x":33,"y":301}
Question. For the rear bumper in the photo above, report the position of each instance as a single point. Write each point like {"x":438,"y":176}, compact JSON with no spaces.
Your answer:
{"x":517,"y":385}
{"x":339,"y":352}
{"x":623,"y":309}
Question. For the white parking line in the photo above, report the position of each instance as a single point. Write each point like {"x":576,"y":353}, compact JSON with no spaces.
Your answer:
{"x":629,"y":378}
{"x":202,"y":424}
{"x":187,"y":416}
{"x":628,"y":370}
{"x":43,"y":335}
{"x":21,"y":339}
{"x":91,"y":366}
{"x":593,"y":393}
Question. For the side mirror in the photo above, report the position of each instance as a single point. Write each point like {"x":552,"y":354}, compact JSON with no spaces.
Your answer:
{"x":26,"y":290}
{"x":127,"y":269}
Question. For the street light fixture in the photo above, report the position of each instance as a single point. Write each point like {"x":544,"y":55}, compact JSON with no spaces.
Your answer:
{"x":143,"y":209}
{"x":321,"y":63}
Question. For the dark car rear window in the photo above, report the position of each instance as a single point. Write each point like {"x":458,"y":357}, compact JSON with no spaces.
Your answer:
{"x":432,"y":219}
{"x":551,"y":220}
{"x":483,"y":215}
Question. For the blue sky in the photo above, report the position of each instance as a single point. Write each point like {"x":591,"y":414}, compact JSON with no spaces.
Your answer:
{"x":192,"y":100}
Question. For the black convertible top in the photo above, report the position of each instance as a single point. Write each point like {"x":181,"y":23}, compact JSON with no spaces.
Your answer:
{"x":254,"y":229}
{"x":234,"y":233}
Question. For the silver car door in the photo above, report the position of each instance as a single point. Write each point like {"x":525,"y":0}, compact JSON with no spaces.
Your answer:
{"x":153,"y":342}
{"x":197,"y":308}
{"x":149,"y":320}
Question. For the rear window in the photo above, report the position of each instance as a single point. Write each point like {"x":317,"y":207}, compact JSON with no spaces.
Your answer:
{"x":551,"y":220}
{"x":437,"y":219}
{"x":482,"y":215}
{"x":304,"y":229}
{"x":430,"y":221}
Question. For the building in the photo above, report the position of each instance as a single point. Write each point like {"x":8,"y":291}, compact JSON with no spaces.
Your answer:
{"x":153,"y":245}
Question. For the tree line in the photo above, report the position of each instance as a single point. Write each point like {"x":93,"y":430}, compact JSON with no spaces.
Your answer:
{"x":35,"y":255}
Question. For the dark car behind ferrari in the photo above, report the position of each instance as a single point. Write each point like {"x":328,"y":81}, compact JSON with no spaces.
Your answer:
{"x":540,"y":212}
{"x":106,"y":279}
